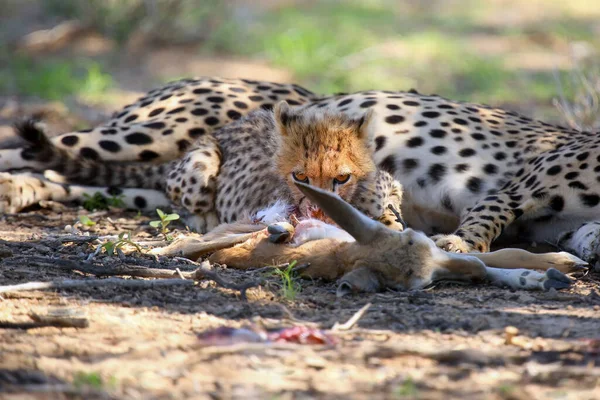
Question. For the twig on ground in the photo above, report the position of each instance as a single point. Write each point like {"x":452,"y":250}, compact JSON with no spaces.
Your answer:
{"x":202,"y":272}
{"x":179,"y":273}
{"x":352,"y":321}
{"x":102,"y":270}
{"x":59,"y":318}
{"x":75,"y":284}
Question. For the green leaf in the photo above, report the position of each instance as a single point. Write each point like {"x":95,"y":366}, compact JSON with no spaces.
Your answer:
{"x":171,"y":217}
{"x":85,"y":220}
{"x":155,"y":224}
{"x":160,"y":213}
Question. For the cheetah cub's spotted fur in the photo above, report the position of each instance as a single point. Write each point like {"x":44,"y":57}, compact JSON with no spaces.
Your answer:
{"x":248,"y":165}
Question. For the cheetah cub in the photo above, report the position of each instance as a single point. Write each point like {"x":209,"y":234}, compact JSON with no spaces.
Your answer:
{"x":246,"y":169}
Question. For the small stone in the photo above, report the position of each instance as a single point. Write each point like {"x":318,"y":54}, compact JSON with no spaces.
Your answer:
{"x":5,"y":251}
{"x":509,"y":333}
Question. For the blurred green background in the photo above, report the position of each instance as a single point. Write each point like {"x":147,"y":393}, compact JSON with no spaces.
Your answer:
{"x":103,"y":53}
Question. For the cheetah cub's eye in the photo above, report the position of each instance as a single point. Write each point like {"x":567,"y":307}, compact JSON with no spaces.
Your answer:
{"x":341,"y":179}
{"x":300,"y":177}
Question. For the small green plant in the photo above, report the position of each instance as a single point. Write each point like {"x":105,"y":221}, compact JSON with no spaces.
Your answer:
{"x":290,"y":287}
{"x":163,"y":222}
{"x":93,"y":380}
{"x":86,"y":221}
{"x":100,"y":202}
{"x":407,"y":389}
{"x":124,"y":238}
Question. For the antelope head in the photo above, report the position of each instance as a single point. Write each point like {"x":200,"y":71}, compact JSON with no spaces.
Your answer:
{"x":382,"y":258}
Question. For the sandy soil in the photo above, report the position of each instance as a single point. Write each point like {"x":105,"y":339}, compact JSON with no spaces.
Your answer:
{"x":143,"y":342}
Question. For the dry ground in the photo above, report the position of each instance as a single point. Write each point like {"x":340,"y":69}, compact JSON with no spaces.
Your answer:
{"x":142,"y":343}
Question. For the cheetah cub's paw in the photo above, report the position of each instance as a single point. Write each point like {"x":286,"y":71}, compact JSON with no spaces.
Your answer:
{"x":16,"y":193}
{"x":526,"y":279}
{"x":201,"y":223}
{"x":451,"y":243}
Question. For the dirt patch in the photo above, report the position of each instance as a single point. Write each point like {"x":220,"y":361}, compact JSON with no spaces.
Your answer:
{"x":143,"y":343}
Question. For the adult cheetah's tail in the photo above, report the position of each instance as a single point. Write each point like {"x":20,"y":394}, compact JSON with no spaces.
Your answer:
{"x":86,"y":171}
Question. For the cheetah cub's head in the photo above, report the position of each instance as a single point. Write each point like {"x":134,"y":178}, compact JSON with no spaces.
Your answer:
{"x":328,"y":150}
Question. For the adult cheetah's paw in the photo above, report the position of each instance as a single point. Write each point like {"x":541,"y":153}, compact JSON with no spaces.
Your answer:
{"x":526,"y":279}
{"x":585,"y":242}
{"x":451,"y":243}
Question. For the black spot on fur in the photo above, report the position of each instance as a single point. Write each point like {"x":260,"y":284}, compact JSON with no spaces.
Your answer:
{"x":155,"y":125}
{"x":490,"y":169}
{"x":411,"y":103}
{"x":140,"y":202}
{"x":199,"y":111}
{"x":211,"y":121}
{"x":415,"y":142}
{"x":182,"y":145}
{"x":176,"y":110}
{"x":557,"y":203}
{"x":138,"y":138}
{"x":436,"y":172}
{"x":466,"y":152}
{"x":89,"y":153}
{"x":69,"y":140}
{"x":554,"y":170}
{"x":474,"y":184}
{"x":388,"y":164}
{"x":394,"y":119}
{"x":215,"y":99}
{"x":409,"y":164}
{"x":367,"y":104}
{"x":379,"y":142}
{"x":234,"y":115}
{"x":148,"y":155}
{"x":462,"y":167}
{"x":437,"y":133}
{"x":438,"y":150}
{"x":156,"y":111}
{"x":196,"y":132}
{"x":110,"y":146}
{"x":589,"y":200}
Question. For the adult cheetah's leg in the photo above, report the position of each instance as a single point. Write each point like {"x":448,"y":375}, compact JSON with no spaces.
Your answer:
{"x":583,"y":242}
{"x":483,"y":223}
{"x":19,"y":191}
{"x":192,"y":184}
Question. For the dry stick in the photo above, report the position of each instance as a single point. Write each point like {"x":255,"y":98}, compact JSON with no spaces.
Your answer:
{"x":75,"y":284}
{"x":212,"y":275}
{"x":352,"y":321}
{"x":101,"y":270}
{"x":136,"y":271}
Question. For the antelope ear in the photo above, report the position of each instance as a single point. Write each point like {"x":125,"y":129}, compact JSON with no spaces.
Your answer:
{"x":362,"y":228}
{"x":283,"y":115}
{"x":359,"y":280}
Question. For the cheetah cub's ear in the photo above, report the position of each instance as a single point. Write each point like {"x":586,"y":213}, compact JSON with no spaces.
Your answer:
{"x":363,"y":123}
{"x":283,"y":116}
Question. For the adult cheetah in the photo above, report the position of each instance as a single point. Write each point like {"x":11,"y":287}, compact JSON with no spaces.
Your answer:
{"x":470,"y":170}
